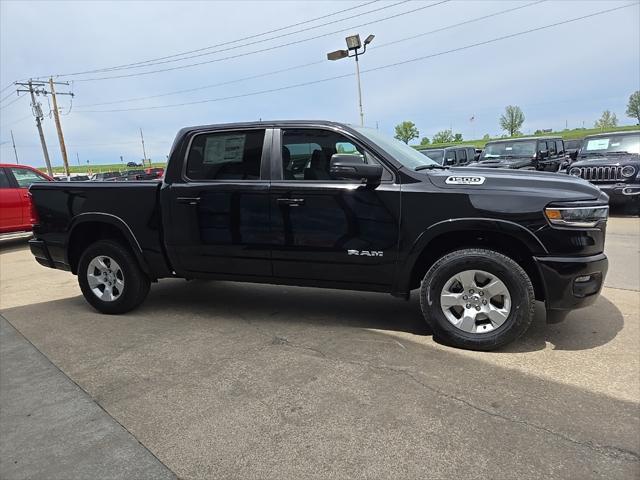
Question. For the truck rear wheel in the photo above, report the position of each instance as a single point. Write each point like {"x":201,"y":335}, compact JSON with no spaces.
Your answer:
{"x":477,"y":299}
{"x":110,"y":278}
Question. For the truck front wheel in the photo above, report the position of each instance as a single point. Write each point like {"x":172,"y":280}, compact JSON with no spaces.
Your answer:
{"x":110,"y":278}
{"x":477,"y":299}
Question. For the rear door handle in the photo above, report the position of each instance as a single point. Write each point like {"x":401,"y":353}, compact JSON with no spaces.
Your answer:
{"x":189,"y":200}
{"x":291,"y":202}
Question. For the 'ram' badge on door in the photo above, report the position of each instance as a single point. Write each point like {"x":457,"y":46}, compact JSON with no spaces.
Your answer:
{"x":464,"y":180}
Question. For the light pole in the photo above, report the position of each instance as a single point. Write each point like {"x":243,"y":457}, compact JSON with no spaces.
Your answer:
{"x":353,"y":45}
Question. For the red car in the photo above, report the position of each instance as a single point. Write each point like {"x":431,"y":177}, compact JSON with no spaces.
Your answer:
{"x":156,"y":172}
{"x":16,"y":210}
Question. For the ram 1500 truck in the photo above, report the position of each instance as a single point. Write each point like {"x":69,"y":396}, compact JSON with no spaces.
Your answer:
{"x":322,"y":204}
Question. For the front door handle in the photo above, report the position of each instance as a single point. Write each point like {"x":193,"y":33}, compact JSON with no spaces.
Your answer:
{"x":189,"y":200}
{"x":291,"y":202}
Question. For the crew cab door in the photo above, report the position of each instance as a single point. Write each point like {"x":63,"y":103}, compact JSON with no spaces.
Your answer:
{"x":218,"y":211}
{"x":327,"y":230}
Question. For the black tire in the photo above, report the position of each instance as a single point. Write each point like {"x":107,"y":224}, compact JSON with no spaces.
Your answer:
{"x":504,"y":268}
{"x":136,"y":283}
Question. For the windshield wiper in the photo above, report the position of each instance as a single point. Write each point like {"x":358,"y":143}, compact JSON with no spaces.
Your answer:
{"x":430,"y":166}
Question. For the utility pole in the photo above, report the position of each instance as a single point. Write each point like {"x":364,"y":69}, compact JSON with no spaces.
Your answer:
{"x":144,"y":153}
{"x":56,"y":116}
{"x":37,"y":112}
{"x":78,"y":158}
{"x":14,"y":147}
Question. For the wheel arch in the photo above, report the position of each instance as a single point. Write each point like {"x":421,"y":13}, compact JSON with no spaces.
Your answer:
{"x":88,"y":228}
{"x":508,"y":238}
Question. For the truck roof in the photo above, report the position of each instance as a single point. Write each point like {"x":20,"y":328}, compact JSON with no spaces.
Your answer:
{"x":266,"y":124}
{"x":522,"y":139}
{"x":619,"y":132}
{"x":448,"y":146}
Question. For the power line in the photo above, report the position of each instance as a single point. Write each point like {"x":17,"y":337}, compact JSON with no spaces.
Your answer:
{"x":6,"y":96}
{"x":382,"y":67}
{"x":304,"y":65}
{"x":15,"y":122}
{"x":224,"y":43}
{"x":11,"y":103}
{"x":275,"y":47}
{"x":7,"y":87}
{"x":164,"y":60}
{"x":257,"y":41}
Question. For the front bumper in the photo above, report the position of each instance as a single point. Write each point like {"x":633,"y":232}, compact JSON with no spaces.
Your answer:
{"x":572,"y":282}
{"x":621,"y":192}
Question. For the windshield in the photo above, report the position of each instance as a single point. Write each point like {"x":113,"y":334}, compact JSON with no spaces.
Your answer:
{"x":625,"y":142}
{"x":403,"y":153}
{"x":572,"y":144}
{"x":435,"y":155}
{"x":509,"y":149}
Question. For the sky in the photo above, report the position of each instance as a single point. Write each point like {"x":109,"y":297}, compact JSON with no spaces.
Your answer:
{"x":560,"y":76}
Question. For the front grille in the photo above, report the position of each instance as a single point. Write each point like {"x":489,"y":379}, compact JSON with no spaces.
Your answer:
{"x":601,"y":174}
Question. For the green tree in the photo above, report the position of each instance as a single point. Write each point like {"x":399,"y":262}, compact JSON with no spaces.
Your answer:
{"x":486,"y":137}
{"x":633,"y":107}
{"x":512,"y":119}
{"x":607,"y":120}
{"x":406,"y":131}
{"x":425,"y":141}
{"x":457,"y":137}
{"x":444,"y":136}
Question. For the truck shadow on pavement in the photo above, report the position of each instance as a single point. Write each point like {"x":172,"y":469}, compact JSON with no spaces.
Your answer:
{"x":582,"y":330}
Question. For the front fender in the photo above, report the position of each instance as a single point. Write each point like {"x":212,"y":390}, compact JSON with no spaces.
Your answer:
{"x":462,"y":225}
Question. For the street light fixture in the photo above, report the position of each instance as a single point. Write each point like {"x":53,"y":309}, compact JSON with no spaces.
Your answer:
{"x":353,"y":45}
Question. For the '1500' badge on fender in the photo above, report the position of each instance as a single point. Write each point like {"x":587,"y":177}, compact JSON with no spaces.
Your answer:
{"x":464,"y":180}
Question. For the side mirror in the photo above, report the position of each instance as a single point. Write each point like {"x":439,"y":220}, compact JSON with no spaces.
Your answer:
{"x":353,"y":167}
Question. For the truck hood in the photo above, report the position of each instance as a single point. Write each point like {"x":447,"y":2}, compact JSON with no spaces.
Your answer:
{"x":553,"y":186}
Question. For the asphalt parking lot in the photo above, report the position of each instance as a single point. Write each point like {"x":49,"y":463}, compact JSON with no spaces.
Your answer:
{"x":228,"y":380}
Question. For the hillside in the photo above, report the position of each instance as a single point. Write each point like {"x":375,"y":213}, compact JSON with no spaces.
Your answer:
{"x":565,"y":134}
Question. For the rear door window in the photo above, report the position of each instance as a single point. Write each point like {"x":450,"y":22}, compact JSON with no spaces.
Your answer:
{"x":230,"y":155}
{"x":449,"y":157}
{"x":461,"y":156}
{"x":542,"y":146}
{"x":25,"y":177}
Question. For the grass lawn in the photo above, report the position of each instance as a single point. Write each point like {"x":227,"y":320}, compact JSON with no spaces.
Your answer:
{"x":566,"y":135}
{"x":113,"y":167}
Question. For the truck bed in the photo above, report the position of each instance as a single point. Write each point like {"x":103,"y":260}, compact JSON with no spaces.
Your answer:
{"x":132,"y":207}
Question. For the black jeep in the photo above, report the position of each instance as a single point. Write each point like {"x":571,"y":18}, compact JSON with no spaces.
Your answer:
{"x":527,"y":153}
{"x":451,"y":156}
{"x":612,"y":162}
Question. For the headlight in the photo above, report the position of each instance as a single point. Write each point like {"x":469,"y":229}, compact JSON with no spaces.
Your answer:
{"x":576,"y":216}
{"x":628,"y":171}
{"x":575,"y":171}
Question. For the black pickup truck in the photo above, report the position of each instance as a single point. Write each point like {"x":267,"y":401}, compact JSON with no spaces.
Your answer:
{"x":323,"y":204}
